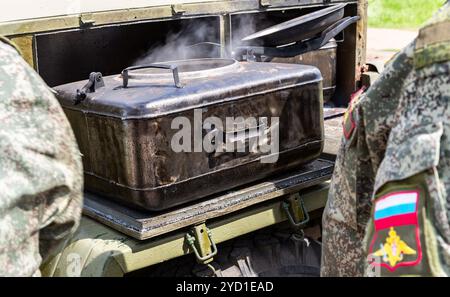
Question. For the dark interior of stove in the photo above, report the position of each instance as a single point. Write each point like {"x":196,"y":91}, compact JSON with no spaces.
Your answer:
{"x":247,"y":23}
{"x":71,"y":55}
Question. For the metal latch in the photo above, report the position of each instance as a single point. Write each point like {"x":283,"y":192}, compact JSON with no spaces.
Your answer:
{"x":295,"y":210}
{"x":86,"y":20}
{"x":95,"y":82}
{"x":177,"y":9}
{"x":199,"y":239}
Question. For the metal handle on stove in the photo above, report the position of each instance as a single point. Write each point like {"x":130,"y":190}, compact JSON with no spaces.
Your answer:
{"x":126,"y":76}
{"x":300,"y":47}
{"x":336,"y":28}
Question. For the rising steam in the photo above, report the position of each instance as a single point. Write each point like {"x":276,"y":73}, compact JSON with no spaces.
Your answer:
{"x":196,"y":40}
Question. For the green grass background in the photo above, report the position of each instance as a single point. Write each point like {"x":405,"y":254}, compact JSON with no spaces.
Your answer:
{"x":401,"y":14}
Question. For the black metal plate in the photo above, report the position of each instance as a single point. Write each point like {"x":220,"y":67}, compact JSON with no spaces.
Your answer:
{"x":301,"y":28}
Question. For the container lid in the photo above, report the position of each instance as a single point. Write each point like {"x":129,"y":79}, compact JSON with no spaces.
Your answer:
{"x":153,"y":93}
{"x":298,"y":29}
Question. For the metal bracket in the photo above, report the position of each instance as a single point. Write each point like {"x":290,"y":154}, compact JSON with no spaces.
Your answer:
{"x":86,"y":20}
{"x":199,"y":239}
{"x":177,"y":9}
{"x":295,"y":210}
{"x":95,"y":82}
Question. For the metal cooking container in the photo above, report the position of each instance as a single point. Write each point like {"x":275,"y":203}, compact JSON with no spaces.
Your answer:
{"x":124,"y":133}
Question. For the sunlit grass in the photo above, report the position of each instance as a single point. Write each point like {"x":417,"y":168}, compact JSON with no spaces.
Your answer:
{"x":402,"y":14}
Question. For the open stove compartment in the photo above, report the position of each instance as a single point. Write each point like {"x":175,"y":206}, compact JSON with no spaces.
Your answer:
{"x":336,"y":59}
{"x":68,"y":56}
{"x":71,"y":55}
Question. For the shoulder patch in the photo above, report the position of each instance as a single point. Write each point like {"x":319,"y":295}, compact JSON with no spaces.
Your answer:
{"x":432,"y":34}
{"x":436,"y":53}
{"x":433,"y":42}
{"x":396,"y":238}
{"x":349,"y":123}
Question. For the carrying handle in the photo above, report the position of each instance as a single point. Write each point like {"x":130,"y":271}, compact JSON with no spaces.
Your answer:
{"x":242,"y":136}
{"x":126,"y":76}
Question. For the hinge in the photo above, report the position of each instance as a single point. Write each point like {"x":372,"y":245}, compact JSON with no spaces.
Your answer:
{"x":265,"y":3}
{"x":177,"y":9}
{"x":199,"y":239}
{"x":95,"y":81}
{"x":86,"y":20}
{"x":295,"y":210}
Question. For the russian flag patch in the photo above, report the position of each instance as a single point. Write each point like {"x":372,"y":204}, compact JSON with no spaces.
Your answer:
{"x":396,"y":209}
{"x":396,"y":241}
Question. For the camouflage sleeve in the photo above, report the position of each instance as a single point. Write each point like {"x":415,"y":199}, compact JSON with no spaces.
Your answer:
{"x":367,"y":124}
{"x":409,"y":231}
{"x":40,"y":169}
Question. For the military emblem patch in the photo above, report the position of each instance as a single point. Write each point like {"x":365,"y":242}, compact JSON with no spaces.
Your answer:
{"x":348,"y":124}
{"x":396,"y":240}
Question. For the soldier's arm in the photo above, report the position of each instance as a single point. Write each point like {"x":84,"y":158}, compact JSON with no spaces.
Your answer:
{"x":41,"y":173}
{"x":366,"y":125}
{"x":409,"y":231}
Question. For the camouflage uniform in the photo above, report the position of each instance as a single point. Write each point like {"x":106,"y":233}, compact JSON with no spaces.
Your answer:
{"x":393,"y":169}
{"x":40,"y":170}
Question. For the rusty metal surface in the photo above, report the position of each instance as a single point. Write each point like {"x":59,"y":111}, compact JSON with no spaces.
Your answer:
{"x":144,"y":225}
{"x":361,"y":37}
{"x":345,"y":63}
{"x":351,"y":54}
{"x":124,"y":134}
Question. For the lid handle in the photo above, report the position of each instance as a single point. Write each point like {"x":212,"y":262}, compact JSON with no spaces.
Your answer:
{"x":126,"y":76}
{"x":95,"y":81}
